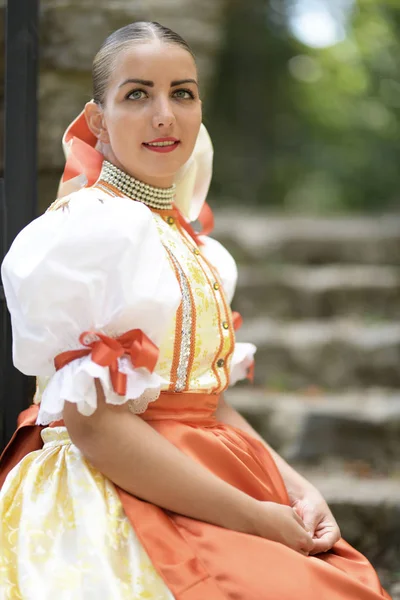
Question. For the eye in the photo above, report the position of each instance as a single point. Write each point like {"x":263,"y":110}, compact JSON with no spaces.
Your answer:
{"x":183,"y":94}
{"x":136,"y":95}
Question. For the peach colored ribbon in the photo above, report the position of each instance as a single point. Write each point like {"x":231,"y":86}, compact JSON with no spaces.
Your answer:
{"x":82,"y":157}
{"x":187,"y":227}
{"x":206,"y":219}
{"x":237,"y":320}
{"x":105,"y":352}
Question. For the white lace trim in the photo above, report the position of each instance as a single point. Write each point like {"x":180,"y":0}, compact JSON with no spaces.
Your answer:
{"x":75,"y":383}
{"x":139,"y":405}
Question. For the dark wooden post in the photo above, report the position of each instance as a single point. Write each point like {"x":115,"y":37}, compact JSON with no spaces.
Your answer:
{"x":18,"y":189}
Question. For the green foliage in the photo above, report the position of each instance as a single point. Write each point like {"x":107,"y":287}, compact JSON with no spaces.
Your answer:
{"x":308,"y":129}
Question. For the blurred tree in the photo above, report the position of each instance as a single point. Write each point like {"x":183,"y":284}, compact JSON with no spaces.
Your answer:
{"x":314,"y":129}
{"x":246,"y":98}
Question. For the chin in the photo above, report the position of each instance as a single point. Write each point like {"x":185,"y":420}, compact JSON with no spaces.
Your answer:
{"x":165,"y":166}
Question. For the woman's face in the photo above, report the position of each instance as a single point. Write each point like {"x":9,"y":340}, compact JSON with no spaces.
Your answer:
{"x":152,"y":111}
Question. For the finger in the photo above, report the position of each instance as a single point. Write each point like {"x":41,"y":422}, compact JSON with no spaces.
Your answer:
{"x":330,"y":537}
{"x":310,"y":519}
{"x":319,"y":549}
{"x":298,"y":519}
{"x":321,"y":545}
{"x":299,"y":547}
{"x":308,"y":545}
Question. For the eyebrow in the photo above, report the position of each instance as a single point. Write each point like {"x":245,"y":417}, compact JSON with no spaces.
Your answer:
{"x":181,"y":81}
{"x":149,"y":83}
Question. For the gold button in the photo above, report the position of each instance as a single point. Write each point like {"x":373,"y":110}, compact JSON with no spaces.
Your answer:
{"x":170,"y":220}
{"x":196,"y":251}
{"x":220,"y":362}
{"x":225,"y":325}
{"x":216,"y":286}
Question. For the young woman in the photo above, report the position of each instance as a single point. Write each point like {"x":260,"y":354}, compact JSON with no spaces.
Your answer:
{"x":131,"y":477}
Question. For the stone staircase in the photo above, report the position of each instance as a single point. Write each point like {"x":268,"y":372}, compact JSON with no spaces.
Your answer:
{"x":321,"y":299}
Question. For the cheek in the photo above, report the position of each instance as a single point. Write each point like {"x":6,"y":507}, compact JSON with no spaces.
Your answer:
{"x":126,"y":131}
{"x":192,"y":125}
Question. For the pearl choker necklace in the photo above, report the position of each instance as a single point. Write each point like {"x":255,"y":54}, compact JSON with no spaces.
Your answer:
{"x":154,"y":197}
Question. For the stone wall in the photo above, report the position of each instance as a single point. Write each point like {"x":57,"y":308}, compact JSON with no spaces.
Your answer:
{"x":71,"y":31}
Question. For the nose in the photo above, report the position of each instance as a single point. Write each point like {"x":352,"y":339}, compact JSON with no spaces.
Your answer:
{"x":163,"y":117}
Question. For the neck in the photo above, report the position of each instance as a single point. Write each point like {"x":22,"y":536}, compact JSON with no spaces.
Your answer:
{"x":157,"y":197}
{"x":160,"y":182}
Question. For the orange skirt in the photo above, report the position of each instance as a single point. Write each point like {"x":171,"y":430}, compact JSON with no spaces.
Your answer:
{"x":199,"y":561}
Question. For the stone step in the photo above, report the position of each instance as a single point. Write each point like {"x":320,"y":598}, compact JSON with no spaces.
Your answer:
{"x":358,"y":432}
{"x":336,"y":354}
{"x":266,"y":238}
{"x":298,"y":292}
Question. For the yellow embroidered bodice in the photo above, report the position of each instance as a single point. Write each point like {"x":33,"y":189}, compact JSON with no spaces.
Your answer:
{"x":196,"y":352}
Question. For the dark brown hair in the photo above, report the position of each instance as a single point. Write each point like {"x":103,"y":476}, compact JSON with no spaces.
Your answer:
{"x":141,"y":31}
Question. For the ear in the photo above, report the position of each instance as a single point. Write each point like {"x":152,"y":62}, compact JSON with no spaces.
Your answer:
{"x":96,"y":121}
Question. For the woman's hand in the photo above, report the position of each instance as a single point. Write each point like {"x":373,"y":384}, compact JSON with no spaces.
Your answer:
{"x":318,"y":519}
{"x":281,"y":523}
{"x":304,"y":497}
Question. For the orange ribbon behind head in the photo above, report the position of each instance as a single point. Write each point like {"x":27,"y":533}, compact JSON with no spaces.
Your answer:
{"x":106,"y":351}
{"x":206,"y":218}
{"x":81,"y":154}
{"x":188,"y":228}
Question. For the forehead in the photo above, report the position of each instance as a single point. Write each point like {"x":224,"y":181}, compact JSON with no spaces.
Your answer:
{"x":156,"y":61}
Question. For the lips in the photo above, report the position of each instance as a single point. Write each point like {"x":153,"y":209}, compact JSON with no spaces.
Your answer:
{"x":167,"y":144}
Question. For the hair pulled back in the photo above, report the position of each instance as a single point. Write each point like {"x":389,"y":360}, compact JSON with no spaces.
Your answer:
{"x":140,"y":31}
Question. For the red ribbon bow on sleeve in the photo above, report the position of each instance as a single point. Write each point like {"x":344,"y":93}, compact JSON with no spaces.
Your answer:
{"x":106,"y":351}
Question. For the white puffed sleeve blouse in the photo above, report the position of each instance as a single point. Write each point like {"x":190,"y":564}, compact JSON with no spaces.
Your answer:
{"x":106,"y":264}
{"x":95,"y":265}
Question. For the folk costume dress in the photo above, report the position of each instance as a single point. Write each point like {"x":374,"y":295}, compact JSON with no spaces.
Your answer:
{"x":105,"y":286}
